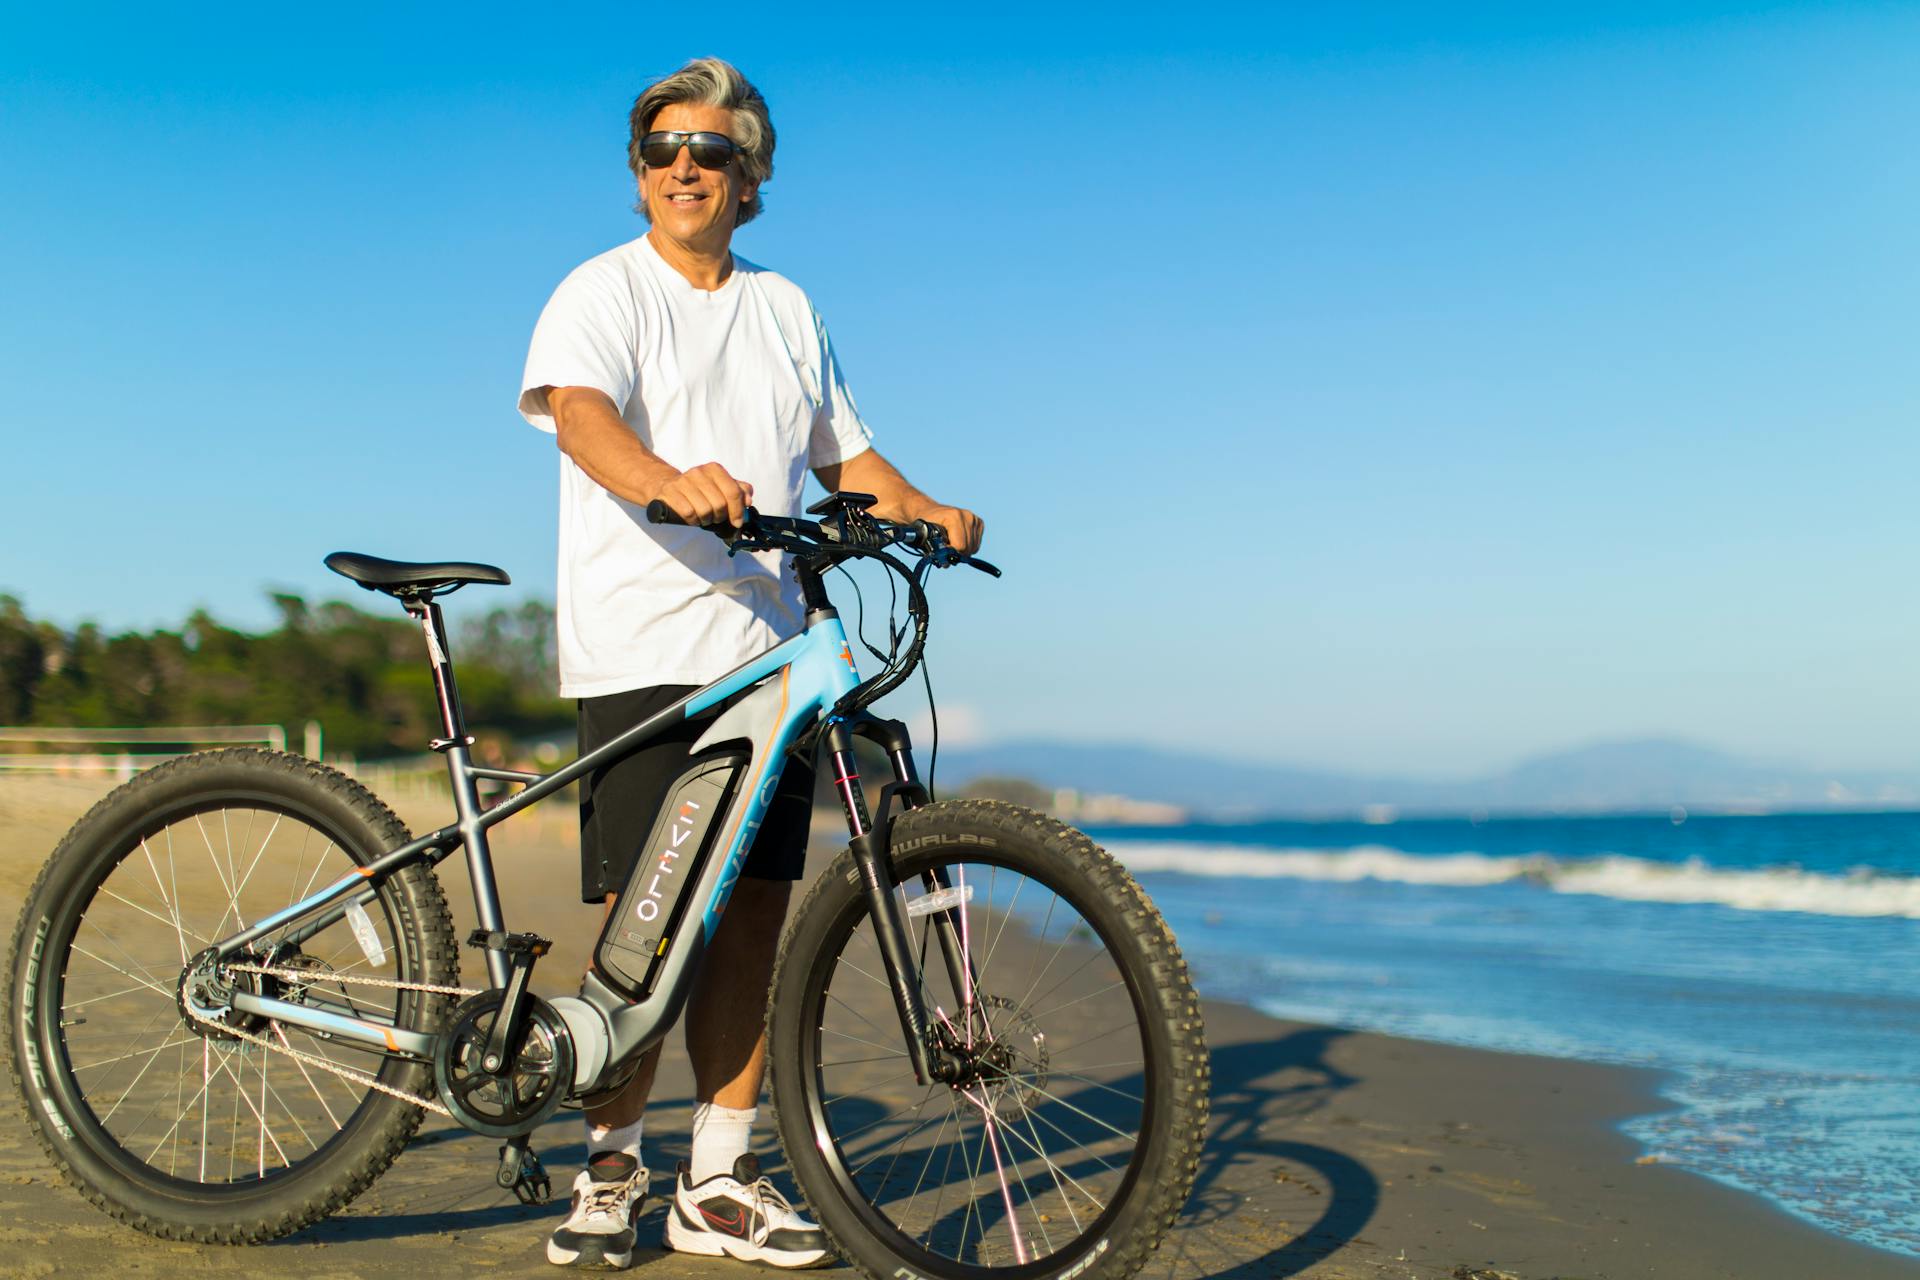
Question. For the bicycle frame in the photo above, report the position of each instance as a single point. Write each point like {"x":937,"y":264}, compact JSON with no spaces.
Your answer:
{"x":781,"y":694}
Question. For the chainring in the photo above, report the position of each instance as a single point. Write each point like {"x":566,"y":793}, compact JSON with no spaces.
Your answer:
{"x":516,"y":1102}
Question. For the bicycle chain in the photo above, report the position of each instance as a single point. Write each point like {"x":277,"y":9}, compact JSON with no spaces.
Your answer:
{"x":308,"y":977}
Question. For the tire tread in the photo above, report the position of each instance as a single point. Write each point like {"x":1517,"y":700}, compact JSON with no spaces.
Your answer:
{"x":1162,"y":1193}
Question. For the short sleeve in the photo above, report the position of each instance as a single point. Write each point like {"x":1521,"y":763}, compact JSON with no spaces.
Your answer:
{"x":588,"y":336}
{"x":838,"y":431}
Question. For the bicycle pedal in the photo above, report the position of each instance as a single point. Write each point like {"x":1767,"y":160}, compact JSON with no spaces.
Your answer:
{"x":512,"y":943}
{"x":522,"y":1173}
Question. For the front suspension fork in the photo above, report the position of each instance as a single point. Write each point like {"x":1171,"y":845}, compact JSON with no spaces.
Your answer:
{"x":869,"y":841}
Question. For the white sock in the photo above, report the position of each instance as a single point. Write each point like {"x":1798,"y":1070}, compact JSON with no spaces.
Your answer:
{"x":721,"y":1135}
{"x":607,"y":1137}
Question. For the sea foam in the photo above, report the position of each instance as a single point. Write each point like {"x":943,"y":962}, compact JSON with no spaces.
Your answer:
{"x":1631,"y":879}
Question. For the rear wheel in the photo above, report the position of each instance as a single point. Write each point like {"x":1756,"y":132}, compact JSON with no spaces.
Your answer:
{"x":248,"y":1129}
{"x":1070,"y":1142}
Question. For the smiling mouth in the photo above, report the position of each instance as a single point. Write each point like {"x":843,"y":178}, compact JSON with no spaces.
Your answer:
{"x":685,"y":198}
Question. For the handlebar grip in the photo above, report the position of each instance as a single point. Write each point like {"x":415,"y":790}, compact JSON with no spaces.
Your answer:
{"x":658,"y":512}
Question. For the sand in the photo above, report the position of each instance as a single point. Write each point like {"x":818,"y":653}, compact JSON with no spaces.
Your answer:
{"x":1331,"y":1154}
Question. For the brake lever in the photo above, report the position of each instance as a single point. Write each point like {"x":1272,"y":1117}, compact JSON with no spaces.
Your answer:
{"x":935,"y":547}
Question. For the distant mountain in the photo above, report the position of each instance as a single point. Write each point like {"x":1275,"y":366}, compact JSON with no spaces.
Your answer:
{"x":1644,"y":775}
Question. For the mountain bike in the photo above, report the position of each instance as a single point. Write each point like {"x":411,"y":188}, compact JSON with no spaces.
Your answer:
{"x":236,"y":986}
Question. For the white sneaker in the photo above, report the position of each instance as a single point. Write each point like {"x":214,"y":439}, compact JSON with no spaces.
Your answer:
{"x":743,"y":1216}
{"x":607,"y":1195}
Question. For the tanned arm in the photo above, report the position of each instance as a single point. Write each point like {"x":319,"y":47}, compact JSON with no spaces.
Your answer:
{"x":898,"y":500}
{"x":591,"y":431}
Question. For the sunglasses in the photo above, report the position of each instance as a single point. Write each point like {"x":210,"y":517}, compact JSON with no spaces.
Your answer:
{"x":709,"y":150}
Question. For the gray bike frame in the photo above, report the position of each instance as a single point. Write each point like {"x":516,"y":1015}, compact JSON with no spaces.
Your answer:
{"x":787,"y":690}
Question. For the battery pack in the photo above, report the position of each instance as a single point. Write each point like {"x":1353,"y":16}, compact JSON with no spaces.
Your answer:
{"x":655,"y":898}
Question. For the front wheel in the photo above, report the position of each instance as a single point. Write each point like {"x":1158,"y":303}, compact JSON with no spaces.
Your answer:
{"x":1070,"y":1140}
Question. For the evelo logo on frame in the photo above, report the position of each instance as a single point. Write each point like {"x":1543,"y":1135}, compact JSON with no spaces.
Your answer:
{"x":648,"y":908}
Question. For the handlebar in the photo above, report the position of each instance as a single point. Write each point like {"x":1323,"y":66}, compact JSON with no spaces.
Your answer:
{"x":847,"y":533}
{"x":850,"y":532}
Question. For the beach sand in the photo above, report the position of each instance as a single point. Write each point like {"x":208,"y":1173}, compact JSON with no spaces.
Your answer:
{"x":1332,"y":1153}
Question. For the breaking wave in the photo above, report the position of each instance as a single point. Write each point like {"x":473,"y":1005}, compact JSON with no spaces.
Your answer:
{"x":1864,"y":893}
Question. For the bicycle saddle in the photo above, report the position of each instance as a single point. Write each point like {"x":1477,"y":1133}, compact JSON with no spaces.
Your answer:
{"x":376,"y":574}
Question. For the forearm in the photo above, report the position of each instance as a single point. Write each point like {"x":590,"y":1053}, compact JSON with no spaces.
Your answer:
{"x":896,"y":497}
{"x":591,"y":432}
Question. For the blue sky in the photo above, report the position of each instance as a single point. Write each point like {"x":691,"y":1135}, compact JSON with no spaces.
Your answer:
{"x":1379,"y":387}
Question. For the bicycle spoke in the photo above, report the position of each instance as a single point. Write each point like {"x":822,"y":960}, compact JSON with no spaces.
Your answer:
{"x":173,"y":910}
{"x":146,"y":914}
{"x":1071,"y":1075}
{"x":1087,"y":1115}
{"x":257,"y":855}
{"x":1055,"y":1172}
{"x":1118,"y":984}
{"x":899,"y":1142}
{"x":1059,"y":1173}
{"x":844,"y":1036}
{"x":931,"y":1151}
{"x":319,"y":1097}
{"x":153,"y":1056}
{"x":1083,"y":1148}
{"x":1006,"y":919}
{"x":1000,"y":1173}
{"x":1030,"y":1187}
{"x":864,"y":1089}
{"x":135,"y":1054}
{"x":848,"y":1062}
{"x":151,"y":986}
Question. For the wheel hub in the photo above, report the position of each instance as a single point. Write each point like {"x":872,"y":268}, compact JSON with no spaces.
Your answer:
{"x":206,"y":990}
{"x":1004,"y":1064}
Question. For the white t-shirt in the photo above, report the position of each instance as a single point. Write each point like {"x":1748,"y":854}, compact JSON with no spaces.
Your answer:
{"x":743,"y":376}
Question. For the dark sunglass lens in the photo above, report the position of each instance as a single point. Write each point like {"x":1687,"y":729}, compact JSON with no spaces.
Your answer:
{"x":710,"y":152}
{"x":657,"y":150}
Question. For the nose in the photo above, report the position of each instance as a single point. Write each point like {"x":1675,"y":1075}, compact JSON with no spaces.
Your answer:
{"x":683,"y":168}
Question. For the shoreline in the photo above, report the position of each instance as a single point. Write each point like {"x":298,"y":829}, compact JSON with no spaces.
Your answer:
{"x":1332,"y":1153}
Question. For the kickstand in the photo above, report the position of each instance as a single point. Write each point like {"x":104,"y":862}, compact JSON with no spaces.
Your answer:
{"x":522,"y":1173}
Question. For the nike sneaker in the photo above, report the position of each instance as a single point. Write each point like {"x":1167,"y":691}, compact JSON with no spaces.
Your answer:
{"x":741,"y":1215}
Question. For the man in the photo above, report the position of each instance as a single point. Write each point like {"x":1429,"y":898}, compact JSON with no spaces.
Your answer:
{"x":670,"y":369}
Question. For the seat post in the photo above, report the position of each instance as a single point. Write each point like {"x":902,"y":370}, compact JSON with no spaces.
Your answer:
{"x":466,"y":800}
{"x":453,"y":721}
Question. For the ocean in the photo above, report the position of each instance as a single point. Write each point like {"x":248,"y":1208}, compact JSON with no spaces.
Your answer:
{"x":1770,"y":966}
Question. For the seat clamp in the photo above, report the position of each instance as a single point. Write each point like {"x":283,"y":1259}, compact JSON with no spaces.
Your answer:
{"x":447,"y":744}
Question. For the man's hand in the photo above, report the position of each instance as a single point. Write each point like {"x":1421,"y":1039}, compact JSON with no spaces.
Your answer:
{"x":896,"y":499}
{"x":707,"y":494}
{"x":964,"y":529}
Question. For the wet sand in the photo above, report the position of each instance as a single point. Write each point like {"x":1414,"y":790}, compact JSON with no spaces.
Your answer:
{"x":1331,"y":1153}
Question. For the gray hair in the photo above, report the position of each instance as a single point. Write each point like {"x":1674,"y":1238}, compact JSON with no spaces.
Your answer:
{"x":709,"y":82}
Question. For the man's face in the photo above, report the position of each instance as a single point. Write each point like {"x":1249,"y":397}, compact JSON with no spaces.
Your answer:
{"x":684,"y":201}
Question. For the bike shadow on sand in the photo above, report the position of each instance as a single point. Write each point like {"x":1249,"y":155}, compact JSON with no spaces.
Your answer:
{"x":455,"y":1191}
{"x":1258,"y":1088}
{"x":1262,"y":1205}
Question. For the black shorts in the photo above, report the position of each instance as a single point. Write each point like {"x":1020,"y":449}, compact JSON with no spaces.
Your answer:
{"x":619,"y":801}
